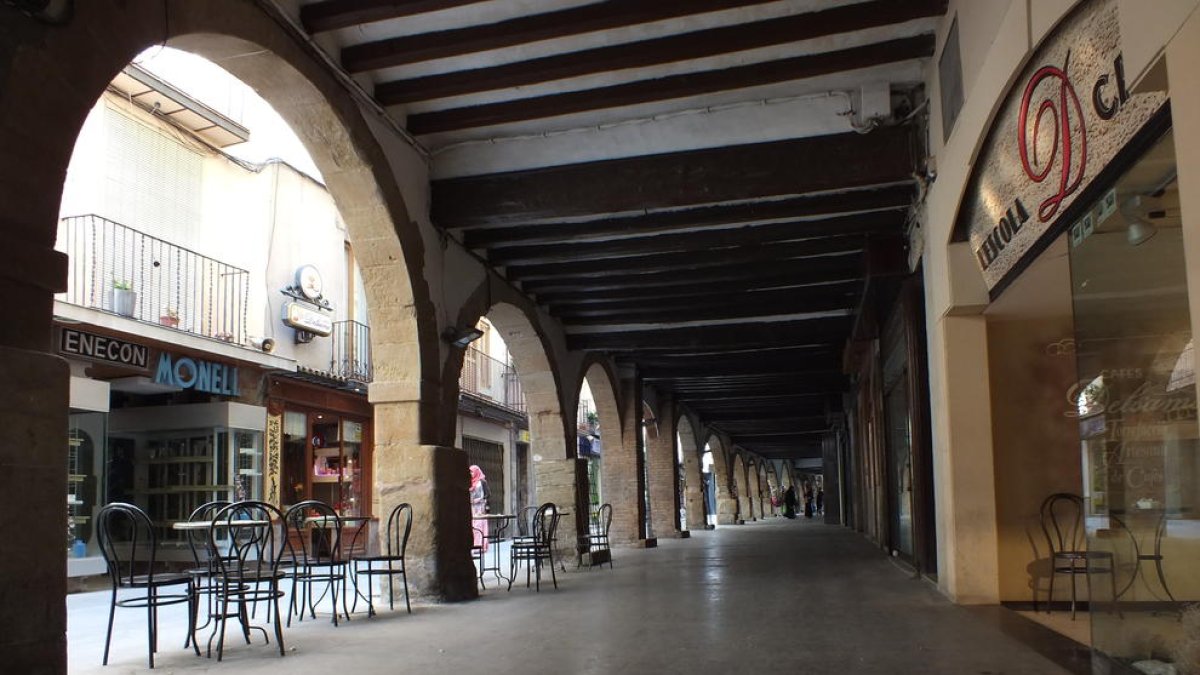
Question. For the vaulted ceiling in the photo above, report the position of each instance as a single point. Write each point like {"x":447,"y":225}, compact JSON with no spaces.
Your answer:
{"x":699,"y":187}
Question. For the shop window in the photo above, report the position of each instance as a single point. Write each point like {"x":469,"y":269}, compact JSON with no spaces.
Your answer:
{"x":325,"y":457}
{"x":1136,"y":405}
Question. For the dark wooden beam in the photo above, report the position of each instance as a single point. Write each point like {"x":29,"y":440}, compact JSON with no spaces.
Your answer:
{"x":745,"y":335}
{"x":676,"y":179}
{"x":520,"y":30}
{"x":568,"y":310}
{"x":747,"y":401}
{"x":668,"y":87}
{"x":748,"y":275}
{"x":693,"y":288}
{"x":795,"y":368}
{"x":581,"y":240}
{"x":666,"y":313}
{"x":334,"y":14}
{"x":623,"y":56}
{"x":697,"y":258}
{"x":765,"y":418}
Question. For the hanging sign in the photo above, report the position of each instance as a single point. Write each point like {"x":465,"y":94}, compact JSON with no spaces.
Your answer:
{"x":1065,"y":119}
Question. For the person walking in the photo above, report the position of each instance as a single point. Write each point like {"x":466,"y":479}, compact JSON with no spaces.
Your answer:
{"x":808,"y":500}
{"x":789,"y":502}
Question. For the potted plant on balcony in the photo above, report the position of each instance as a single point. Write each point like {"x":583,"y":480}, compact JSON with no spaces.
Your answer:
{"x":124,"y":297}
{"x":169,"y":317}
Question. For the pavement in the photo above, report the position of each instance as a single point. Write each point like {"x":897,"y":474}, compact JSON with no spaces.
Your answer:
{"x":775,"y":596}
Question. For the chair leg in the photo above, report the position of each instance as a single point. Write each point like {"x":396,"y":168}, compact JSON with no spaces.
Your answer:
{"x":1050,"y":595}
{"x":404,"y":571}
{"x":552,"y":576}
{"x":278,"y":626}
{"x":193,"y":607}
{"x":150,"y":626}
{"x":1073,"y":585}
{"x":1162,"y":579}
{"x":112,"y":609}
{"x":1112,"y":581}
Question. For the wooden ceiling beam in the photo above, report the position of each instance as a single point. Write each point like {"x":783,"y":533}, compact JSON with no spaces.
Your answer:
{"x":743,"y":335}
{"x":334,"y":14}
{"x":664,"y":88}
{"x":701,"y":301}
{"x":667,"y":314}
{"x":897,"y":196}
{"x":679,"y":179}
{"x":516,"y":31}
{"x":613,"y":57}
{"x":742,"y":276}
{"x":695,"y":259}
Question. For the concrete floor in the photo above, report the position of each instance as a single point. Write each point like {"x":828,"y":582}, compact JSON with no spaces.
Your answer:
{"x":770,"y":597}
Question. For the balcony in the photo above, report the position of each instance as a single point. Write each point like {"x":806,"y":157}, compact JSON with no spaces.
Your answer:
{"x":492,"y":379}
{"x":117,"y":269}
{"x":351,"y":358}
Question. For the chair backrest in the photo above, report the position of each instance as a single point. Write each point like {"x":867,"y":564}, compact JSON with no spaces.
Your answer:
{"x":1062,"y":522}
{"x":255,"y":535}
{"x":127,"y":542}
{"x":314,"y":531}
{"x":525,"y":521}
{"x":604,"y":519}
{"x":399,"y":526}
{"x":198,"y":540}
{"x":545,"y":523}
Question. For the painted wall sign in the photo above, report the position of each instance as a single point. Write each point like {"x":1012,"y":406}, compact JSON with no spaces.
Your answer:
{"x":103,"y":349}
{"x":1066,"y":117}
{"x":302,"y":318}
{"x":189,"y":373}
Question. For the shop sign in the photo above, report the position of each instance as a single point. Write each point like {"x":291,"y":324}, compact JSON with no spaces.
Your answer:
{"x":1064,"y":121}
{"x":189,"y":373}
{"x":102,"y":348}
{"x":302,"y":318}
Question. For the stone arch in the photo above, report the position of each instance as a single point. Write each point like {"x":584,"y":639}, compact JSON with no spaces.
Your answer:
{"x":764,"y":489}
{"x":52,"y":77}
{"x":741,"y":488}
{"x":723,"y":479}
{"x":695,"y":506}
{"x":774,"y":487}
{"x":602,"y":380}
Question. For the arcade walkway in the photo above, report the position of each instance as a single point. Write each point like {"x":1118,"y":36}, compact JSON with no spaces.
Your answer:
{"x":770,"y":597}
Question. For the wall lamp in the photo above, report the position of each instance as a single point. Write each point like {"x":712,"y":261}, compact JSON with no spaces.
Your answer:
{"x":461,"y":337}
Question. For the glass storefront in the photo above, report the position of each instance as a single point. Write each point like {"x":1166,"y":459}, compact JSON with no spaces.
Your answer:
{"x":325,"y":457}
{"x":1136,"y":407}
{"x":86,"y":432}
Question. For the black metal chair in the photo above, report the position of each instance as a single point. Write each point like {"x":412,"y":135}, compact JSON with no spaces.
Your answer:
{"x":130,"y":548}
{"x":525,"y":522}
{"x":477,"y":551}
{"x":249,"y":567}
{"x":1139,"y":555}
{"x":204,"y":574}
{"x":399,"y":526}
{"x":1062,"y":521}
{"x":595,"y":541}
{"x":538,"y":547}
{"x":315,"y":541}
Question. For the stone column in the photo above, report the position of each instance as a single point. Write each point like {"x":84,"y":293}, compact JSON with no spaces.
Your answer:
{"x":664,"y":474}
{"x":693,"y":489}
{"x":727,"y":506}
{"x":565,"y":482}
{"x":623,"y":467}
{"x":434,"y":479}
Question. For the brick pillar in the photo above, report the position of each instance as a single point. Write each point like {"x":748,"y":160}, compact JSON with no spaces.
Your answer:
{"x":664,"y":474}
{"x":693,"y":486}
{"x":623,"y":467}
{"x":435,"y":480}
{"x":723,"y":477}
{"x":565,"y":482}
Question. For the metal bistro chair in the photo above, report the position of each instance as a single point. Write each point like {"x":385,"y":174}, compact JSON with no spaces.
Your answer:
{"x":477,"y":552}
{"x":596,"y":540}
{"x":538,"y":547}
{"x":251,"y":569}
{"x":1062,"y":523}
{"x":525,"y":522}
{"x":314,"y":532}
{"x":204,"y":574}
{"x":1141,"y":555}
{"x":399,"y":526}
{"x":131,"y":562}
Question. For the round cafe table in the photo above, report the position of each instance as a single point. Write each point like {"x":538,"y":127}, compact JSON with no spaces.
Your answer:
{"x":494,"y":540}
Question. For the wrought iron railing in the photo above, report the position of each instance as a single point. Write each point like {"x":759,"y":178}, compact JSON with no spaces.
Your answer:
{"x":115,"y":268}
{"x":491,"y":378}
{"x":351,"y":358}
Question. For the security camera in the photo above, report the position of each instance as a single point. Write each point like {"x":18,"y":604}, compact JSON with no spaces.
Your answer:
{"x":264,"y":343}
